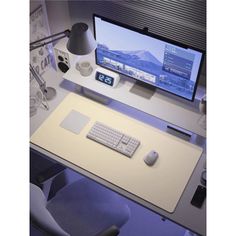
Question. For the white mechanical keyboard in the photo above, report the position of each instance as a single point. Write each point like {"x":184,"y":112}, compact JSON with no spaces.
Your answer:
{"x":113,"y":139}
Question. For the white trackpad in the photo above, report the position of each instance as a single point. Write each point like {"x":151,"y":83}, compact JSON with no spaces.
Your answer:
{"x":74,"y":122}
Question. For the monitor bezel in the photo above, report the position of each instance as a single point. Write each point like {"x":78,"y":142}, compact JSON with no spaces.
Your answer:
{"x":145,"y":31}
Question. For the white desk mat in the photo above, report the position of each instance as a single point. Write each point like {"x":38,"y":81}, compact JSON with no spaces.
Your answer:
{"x":161,"y":184}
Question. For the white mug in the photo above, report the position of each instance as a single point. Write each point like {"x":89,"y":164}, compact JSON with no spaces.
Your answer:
{"x":84,"y":68}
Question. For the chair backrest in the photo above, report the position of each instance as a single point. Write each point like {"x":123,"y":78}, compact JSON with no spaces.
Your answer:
{"x":40,"y":215}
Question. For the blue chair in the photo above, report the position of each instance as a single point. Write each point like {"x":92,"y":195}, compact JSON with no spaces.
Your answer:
{"x":82,"y":208}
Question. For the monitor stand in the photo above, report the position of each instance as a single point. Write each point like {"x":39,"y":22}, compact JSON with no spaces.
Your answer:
{"x":143,"y":89}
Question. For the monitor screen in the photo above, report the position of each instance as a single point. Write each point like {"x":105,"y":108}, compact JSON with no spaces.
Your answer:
{"x":157,"y":61}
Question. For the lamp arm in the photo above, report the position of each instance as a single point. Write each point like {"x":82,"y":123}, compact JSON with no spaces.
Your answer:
{"x":39,"y":79}
{"x":47,"y":91}
{"x":35,"y":45}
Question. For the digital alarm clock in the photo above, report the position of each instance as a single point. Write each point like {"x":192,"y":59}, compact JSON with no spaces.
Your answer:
{"x":107,"y":77}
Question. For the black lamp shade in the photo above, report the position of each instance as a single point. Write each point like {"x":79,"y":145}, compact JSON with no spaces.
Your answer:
{"x":81,"y":40}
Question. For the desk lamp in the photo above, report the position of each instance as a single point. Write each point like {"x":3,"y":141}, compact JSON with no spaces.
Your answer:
{"x":81,"y":42}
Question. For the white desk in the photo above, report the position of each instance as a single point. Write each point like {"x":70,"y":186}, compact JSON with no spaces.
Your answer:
{"x":184,"y":214}
{"x":171,"y":110}
{"x":161,"y":185}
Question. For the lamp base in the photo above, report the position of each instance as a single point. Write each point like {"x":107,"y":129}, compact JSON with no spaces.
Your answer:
{"x":50,"y":93}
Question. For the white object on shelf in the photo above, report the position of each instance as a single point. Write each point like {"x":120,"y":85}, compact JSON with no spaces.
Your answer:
{"x":84,"y":67}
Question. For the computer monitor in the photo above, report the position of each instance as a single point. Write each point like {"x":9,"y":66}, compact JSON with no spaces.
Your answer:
{"x":154,"y":60}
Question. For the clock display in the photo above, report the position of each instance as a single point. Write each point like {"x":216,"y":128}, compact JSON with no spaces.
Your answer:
{"x":104,"y":78}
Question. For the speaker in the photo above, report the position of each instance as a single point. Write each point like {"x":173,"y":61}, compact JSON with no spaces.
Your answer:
{"x":64,"y":59}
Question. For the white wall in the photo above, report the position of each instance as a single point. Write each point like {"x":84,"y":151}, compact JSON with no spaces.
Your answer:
{"x":35,"y":4}
{"x":58,"y":15}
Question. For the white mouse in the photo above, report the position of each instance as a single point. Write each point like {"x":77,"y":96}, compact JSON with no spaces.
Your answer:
{"x":151,"y":158}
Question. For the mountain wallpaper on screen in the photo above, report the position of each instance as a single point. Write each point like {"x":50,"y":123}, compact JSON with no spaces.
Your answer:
{"x":140,"y":59}
{"x":144,"y":61}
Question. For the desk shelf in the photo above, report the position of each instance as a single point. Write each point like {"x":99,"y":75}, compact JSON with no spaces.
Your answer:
{"x":175,"y":112}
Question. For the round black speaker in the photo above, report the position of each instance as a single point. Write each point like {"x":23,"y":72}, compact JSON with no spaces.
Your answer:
{"x":60,"y":58}
{"x":63,"y":67}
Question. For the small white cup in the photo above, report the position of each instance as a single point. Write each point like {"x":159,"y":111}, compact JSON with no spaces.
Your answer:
{"x":84,"y":68}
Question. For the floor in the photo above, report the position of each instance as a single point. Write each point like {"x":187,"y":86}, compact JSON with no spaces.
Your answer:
{"x":142,"y":222}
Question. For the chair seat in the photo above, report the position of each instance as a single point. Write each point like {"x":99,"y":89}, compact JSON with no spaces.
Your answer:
{"x":85,"y":208}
